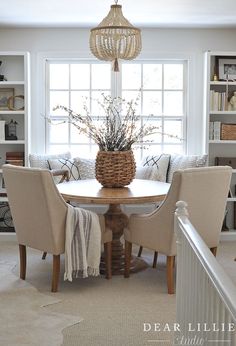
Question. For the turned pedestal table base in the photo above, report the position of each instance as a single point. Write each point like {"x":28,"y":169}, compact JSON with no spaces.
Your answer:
{"x":116,"y":220}
{"x":91,"y":192}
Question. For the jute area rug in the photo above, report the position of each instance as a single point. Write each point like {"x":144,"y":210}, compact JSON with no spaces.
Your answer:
{"x":117,"y":312}
{"x":107,"y":312}
{"x":87,"y":312}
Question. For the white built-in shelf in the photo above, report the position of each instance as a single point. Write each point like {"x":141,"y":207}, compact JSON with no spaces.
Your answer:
{"x":17,"y":72}
{"x":12,"y":112}
{"x":222,"y":112}
{"x":13,"y":142}
{"x":12,"y":82}
{"x":222,"y":83}
{"x":222,"y":142}
{"x":3,"y":199}
{"x":216,"y":147}
{"x":231,"y":199}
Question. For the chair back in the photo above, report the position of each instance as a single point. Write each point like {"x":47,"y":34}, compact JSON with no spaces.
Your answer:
{"x":38,"y":210}
{"x":206,"y":190}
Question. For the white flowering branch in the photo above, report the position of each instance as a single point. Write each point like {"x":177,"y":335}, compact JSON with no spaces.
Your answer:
{"x":116,"y":132}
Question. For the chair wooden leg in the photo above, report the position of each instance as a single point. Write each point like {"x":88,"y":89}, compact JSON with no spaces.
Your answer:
{"x":128,"y":251}
{"x":22,"y":250}
{"x":154,"y":264}
{"x":44,"y":255}
{"x":140,"y":251}
{"x":55,"y":272}
{"x":170,"y":274}
{"x":214,"y":250}
{"x":108,"y":256}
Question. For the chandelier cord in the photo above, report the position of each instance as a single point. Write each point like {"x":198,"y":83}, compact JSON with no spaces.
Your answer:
{"x":116,"y":1}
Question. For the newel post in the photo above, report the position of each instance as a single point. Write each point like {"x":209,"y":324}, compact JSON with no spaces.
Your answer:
{"x":181,"y":210}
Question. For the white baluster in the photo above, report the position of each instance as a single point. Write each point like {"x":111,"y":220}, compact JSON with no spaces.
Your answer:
{"x":204,"y":292}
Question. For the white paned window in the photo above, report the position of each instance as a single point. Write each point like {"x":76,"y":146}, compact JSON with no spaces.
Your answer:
{"x":162,"y":94}
{"x":159,"y":87}
{"x":76,"y":85}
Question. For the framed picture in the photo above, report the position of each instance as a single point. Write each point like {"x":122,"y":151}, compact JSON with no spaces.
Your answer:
{"x":5,"y":93}
{"x":227,"y":69}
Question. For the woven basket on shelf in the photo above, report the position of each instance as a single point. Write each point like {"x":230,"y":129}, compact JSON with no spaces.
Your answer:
{"x":115,"y":168}
{"x":228,"y":132}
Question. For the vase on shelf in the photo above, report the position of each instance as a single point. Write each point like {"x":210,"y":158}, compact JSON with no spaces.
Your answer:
{"x":115,"y":168}
{"x":233,"y":102}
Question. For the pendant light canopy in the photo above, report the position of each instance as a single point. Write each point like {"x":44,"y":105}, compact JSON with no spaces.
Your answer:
{"x":115,"y":38}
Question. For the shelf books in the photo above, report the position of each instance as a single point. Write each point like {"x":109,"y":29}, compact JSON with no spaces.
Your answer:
{"x":211,"y":130}
{"x":218,"y":101}
{"x":15,"y":158}
{"x":214,"y":130}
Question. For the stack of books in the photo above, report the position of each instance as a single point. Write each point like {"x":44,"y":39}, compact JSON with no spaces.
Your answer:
{"x":15,"y":158}
{"x":218,"y":101}
{"x":215,"y":130}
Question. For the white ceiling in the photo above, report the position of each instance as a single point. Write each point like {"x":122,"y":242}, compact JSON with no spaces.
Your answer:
{"x":144,"y":13}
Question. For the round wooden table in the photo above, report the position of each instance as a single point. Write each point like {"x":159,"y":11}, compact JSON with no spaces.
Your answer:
{"x":138,"y":192}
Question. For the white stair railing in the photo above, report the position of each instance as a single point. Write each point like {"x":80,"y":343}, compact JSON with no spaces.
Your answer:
{"x":206,"y":296}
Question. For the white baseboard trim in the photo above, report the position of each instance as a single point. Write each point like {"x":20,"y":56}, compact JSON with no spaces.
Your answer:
{"x":228,"y":236}
{"x":224,"y":236}
{"x":7,"y":236}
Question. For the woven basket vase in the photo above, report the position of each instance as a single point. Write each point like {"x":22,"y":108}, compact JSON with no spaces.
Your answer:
{"x":115,"y":168}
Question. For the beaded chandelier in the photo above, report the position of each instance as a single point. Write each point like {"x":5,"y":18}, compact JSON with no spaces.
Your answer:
{"x":115,"y":38}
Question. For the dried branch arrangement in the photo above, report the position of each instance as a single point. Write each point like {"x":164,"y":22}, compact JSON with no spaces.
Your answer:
{"x":117,"y":130}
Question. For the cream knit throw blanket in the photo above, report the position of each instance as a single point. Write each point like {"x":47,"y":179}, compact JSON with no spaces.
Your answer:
{"x":83,"y":243}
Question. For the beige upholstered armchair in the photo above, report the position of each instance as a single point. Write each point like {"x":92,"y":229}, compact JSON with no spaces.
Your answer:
{"x":39,"y":216}
{"x":205,"y":190}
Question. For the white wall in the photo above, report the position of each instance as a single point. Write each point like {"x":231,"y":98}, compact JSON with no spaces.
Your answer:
{"x":157,"y":43}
